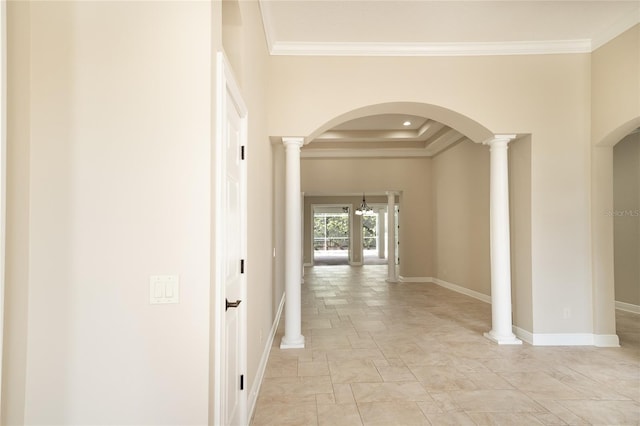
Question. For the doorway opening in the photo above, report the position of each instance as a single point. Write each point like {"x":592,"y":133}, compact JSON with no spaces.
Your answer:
{"x":626,"y":233}
{"x":331,"y":235}
{"x":374,"y":239}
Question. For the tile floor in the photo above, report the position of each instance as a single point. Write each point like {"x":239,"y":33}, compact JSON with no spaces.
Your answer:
{"x":414,"y":354}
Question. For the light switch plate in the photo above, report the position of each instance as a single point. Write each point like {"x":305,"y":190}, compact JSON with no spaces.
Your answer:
{"x":164,"y":289}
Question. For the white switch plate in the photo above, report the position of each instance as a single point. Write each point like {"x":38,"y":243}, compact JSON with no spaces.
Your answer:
{"x":164,"y":289}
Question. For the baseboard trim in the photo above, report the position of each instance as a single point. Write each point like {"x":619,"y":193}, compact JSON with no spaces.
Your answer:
{"x":567,"y":339}
{"x":415,"y":279}
{"x":522,"y":334}
{"x":459,"y":289}
{"x":628,"y":307}
{"x":606,"y":340}
{"x":255,"y":389}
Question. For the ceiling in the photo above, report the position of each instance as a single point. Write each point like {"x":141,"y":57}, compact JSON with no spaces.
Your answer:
{"x":430,"y":28}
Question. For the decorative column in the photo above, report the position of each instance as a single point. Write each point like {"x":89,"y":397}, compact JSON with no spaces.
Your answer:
{"x":501,"y":321}
{"x":391,"y":237}
{"x":293,"y":337}
{"x":380,"y":234}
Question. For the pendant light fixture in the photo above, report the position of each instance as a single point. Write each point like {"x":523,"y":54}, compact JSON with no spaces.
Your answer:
{"x":363,"y":207}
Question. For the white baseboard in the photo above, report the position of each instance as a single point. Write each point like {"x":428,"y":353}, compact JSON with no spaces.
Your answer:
{"x":415,"y":279}
{"x":255,"y":389}
{"x":567,"y":339}
{"x":628,"y":307}
{"x":606,"y":340}
{"x":522,"y":334}
{"x":459,"y":289}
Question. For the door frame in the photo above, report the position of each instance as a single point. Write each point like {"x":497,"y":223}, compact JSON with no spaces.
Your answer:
{"x":226,"y":85}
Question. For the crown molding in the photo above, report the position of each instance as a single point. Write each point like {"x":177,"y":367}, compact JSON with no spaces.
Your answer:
{"x":365,"y":153}
{"x":430,"y":49}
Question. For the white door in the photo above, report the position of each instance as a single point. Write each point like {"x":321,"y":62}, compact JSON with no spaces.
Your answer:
{"x":234,"y":268}
{"x":230,"y":235}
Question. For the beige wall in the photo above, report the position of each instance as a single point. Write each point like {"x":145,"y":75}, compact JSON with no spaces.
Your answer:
{"x":615,"y":88}
{"x":377,"y":175}
{"x":17,"y":237}
{"x":461,"y":216}
{"x":520,"y":218}
{"x":626,"y":219}
{"x":615,"y":112}
{"x":117,"y":184}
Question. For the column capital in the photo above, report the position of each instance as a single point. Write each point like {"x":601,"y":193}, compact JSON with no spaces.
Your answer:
{"x":499,"y":140}
{"x":394,"y":193}
{"x":293,"y":141}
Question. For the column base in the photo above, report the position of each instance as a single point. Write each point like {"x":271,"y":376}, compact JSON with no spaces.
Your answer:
{"x":391,"y":280}
{"x":503,"y":340}
{"x":295,"y":343}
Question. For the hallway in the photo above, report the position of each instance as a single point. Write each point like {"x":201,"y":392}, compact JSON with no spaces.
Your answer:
{"x":414,"y":354}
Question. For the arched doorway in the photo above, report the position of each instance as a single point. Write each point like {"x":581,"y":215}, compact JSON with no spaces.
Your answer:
{"x":355,"y":153}
{"x":604,"y":297}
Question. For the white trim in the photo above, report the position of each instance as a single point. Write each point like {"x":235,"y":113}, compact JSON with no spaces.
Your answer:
{"x":522,"y":334}
{"x":415,"y":279}
{"x":628,"y":307}
{"x":355,"y":263}
{"x":267,"y":24}
{"x":368,"y":153}
{"x":606,"y":340}
{"x":257,"y":382}
{"x":623,"y":24}
{"x":457,"y":288}
{"x":562,"y":339}
{"x":426,"y":49}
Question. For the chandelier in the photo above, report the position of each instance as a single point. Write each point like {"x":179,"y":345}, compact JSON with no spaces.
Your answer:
{"x":364,"y":208}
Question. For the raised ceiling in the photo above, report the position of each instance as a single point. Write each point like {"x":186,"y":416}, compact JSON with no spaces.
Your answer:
{"x":430,"y":28}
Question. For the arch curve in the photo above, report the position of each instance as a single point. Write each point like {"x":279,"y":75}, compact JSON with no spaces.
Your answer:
{"x":463,"y":124}
{"x":619,"y":133}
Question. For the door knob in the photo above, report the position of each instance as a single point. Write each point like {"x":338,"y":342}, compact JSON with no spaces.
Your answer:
{"x":231,"y":304}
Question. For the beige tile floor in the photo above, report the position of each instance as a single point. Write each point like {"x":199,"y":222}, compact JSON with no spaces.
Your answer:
{"x":414,"y":354}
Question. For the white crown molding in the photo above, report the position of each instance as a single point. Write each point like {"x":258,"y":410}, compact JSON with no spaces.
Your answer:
{"x":267,"y":24}
{"x":430,"y":49}
{"x":368,"y":153}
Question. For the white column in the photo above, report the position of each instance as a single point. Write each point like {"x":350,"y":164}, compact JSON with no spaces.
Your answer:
{"x":391,"y":237}
{"x":293,"y":337}
{"x":380,"y":234}
{"x":501,"y":321}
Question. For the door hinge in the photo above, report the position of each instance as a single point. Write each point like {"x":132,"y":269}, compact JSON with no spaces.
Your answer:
{"x":242,"y":152}
{"x":242,"y":382}
{"x":242,"y":266}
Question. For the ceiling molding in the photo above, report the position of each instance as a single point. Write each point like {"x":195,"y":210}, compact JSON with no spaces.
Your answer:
{"x":365,"y":153}
{"x":431,"y":49}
